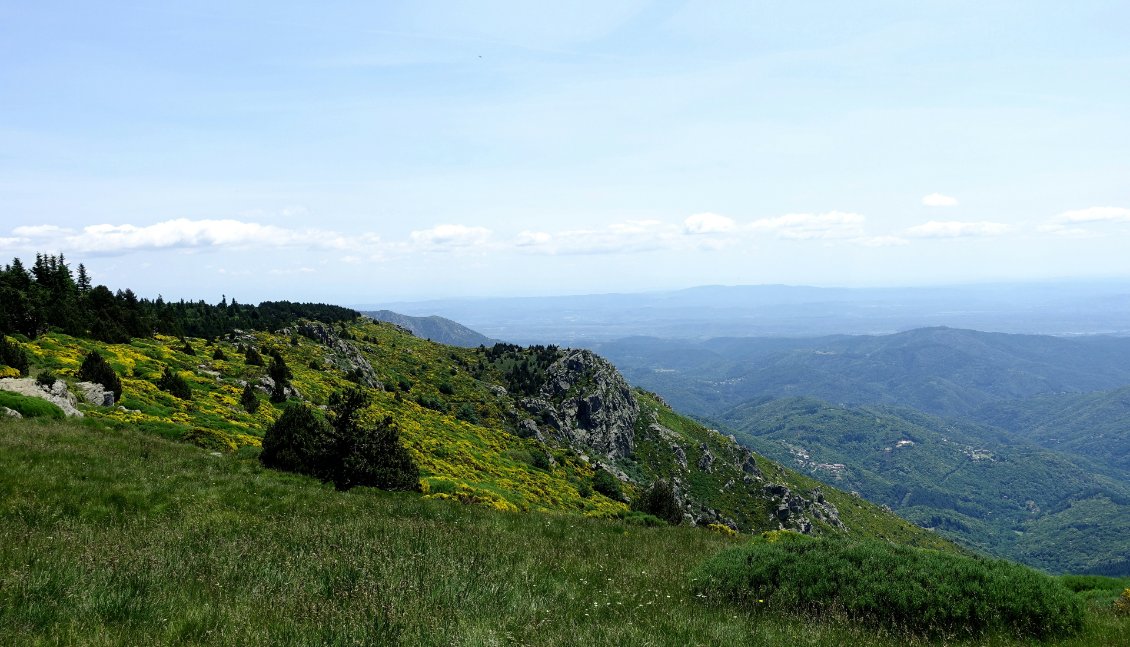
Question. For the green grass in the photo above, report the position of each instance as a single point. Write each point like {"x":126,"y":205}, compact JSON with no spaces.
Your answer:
{"x":115,"y":537}
{"x":919,"y":590}
{"x":30,"y":407}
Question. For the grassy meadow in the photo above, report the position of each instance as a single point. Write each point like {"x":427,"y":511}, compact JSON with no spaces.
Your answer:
{"x":109,"y":536}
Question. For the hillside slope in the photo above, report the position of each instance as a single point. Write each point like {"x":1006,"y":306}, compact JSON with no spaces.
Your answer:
{"x":436,"y":328}
{"x":517,"y":429}
{"x":977,"y":485}
{"x":943,"y":371}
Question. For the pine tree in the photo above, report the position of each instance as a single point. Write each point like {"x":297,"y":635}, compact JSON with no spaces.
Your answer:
{"x":248,"y":399}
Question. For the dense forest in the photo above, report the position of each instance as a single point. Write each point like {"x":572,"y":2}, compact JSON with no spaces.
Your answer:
{"x":50,"y":296}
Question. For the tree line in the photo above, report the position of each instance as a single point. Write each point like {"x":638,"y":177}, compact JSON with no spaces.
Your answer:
{"x":49,"y":296}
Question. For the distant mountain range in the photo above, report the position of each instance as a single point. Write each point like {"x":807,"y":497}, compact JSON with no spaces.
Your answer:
{"x":1017,"y":444}
{"x":435,"y":328}
{"x":1056,"y":308}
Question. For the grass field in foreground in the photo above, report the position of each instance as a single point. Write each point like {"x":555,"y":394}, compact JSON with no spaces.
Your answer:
{"x":114,"y":537}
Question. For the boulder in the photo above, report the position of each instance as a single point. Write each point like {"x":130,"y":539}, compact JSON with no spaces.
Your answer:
{"x":96,"y":394}
{"x":57,"y":394}
{"x":595,"y":406}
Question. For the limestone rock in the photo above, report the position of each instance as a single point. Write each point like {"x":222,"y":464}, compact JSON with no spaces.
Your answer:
{"x":343,"y":353}
{"x":96,"y":394}
{"x":57,"y":394}
{"x":11,"y":413}
{"x":706,"y":461}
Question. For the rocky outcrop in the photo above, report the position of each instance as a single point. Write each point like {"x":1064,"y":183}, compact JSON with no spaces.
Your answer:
{"x":588,"y":403}
{"x":706,"y":460}
{"x":342,"y":353}
{"x":792,"y":511}
{"x":57,"y":394}
{"x":11,"y":413}
{"x":96,"y":394}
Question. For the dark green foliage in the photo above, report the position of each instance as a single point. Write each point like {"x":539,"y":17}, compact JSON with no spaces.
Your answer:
{"x":659,"y":501}
{"x":218,"y":354}
{"x":29,"y":407}
{"x":887,"y":584}
{"x":187,"y":349}
{"x":252,"y":357}
{"x":539,"y":459}
{"x":96,"y":369}
{"x":446,"y":388}
{"x":431,"y":402}
{"x":300,"y":441}
{"x":280,"y":374}
{"x":174,"y":384}
{"x":466,"y":412}
{"x":606,"y":484}
{"x":341,"y":450}
{"x":12,"y":354}
{"x":248,"y":400}
{"x":46,"y":378}
{"x":523,"y":369}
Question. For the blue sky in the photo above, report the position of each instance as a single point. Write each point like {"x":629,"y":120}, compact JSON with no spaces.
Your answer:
{"x":366,"y":152}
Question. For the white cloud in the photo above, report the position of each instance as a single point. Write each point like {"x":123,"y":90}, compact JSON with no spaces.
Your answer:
{"x":957,"y":229}
{"x":1065,"y":231}
{"x":450,"y":236}
{"x":41,"y":231}
{"x":880,"y":241}
{"x":530,"y":238}
{"x":939,"y":200}
{"x":183,"y":233}
{"x":1096,"y":214}
{"x":708,"y":223}
{"x":807,"y":226}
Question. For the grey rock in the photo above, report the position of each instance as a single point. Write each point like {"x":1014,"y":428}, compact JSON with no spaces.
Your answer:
{"x":594,"y":405}
{"x":706,"y":461}
{"x":343,"y":354}
{"x":96,"y":394}
{"x":11,"y":413}
{"x":680,"y":455}
{"x":57,"y":394}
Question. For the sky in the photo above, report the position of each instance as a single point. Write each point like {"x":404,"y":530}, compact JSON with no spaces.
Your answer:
{"x":361,"y":152}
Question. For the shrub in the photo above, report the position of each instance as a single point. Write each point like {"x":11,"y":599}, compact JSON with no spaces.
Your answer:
{"x":252,"y":357}
{"x":29,"y":407}
{"x":248,"y":400}
{"x":281,"y":375}
{"x":13,"y":355}
{"x":659,"y":500}
{"x":340,"y":450}
{"x":96,"y":369}
{"x":218,"y":354}
{"x":1122,"y":604}
{"x":466,"y":412}
{"x":446,"y":388}
{"x":46,"y":378}
{"x":431,"y":402}
{"x":539,"y":459}
{"x":886,"y":584}
{"x":606,"y":484}
{"x":174,"y":384}
{"x":187,"y":349}
{"x":300,"y":441}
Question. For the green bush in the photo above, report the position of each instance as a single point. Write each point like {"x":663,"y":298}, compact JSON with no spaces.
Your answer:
{"x":252,"y":357}
{"x":12,"y":354}
{"x":219,"y":355}
{"x":606,"y":484}
{"x":46,"y":378}
{"x":300,"y":441}
{"x":248,"y":399}
{"x":96,"y":369}
{"x":29,"y":407}
{"x":174,"y":384}
{"x":431,"y":402}
{"x":875,"y":582}
{"x":659,"y":501}
{"x":340,"y":450}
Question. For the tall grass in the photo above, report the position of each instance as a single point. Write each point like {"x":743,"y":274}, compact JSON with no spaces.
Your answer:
{"x":898,"y":586}
{"x":114,"y":537}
